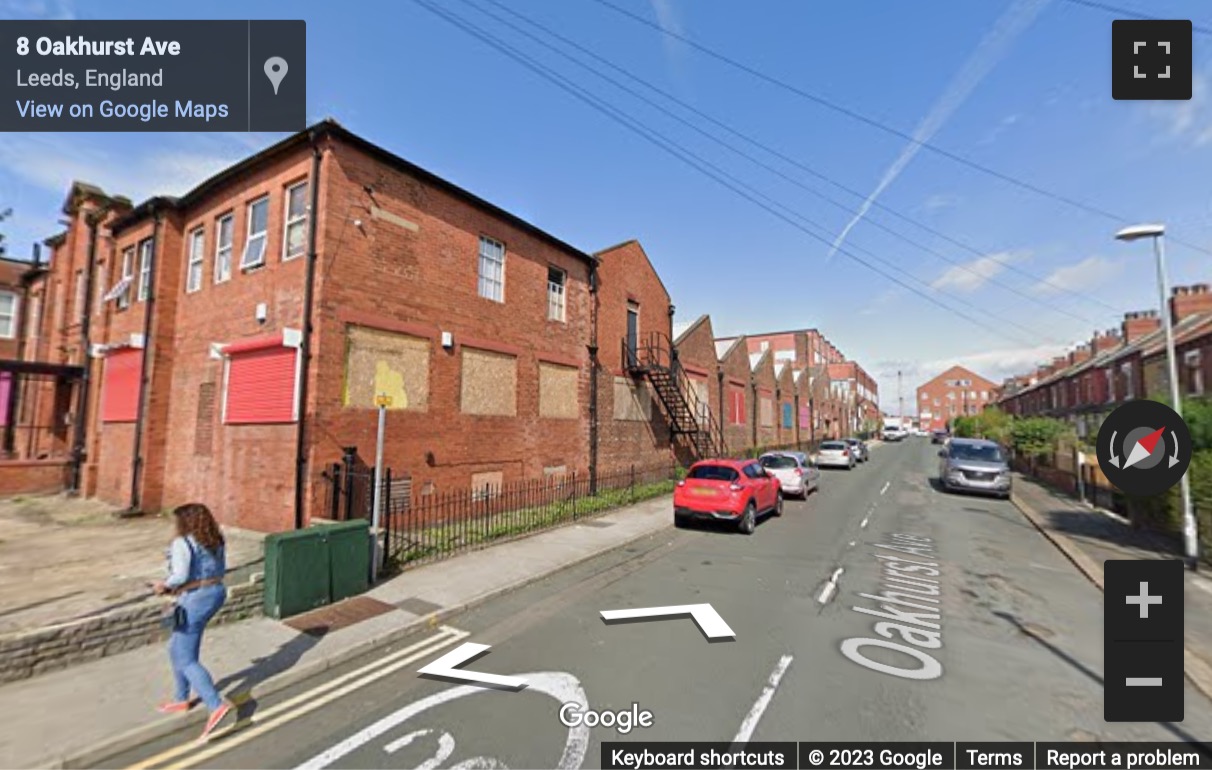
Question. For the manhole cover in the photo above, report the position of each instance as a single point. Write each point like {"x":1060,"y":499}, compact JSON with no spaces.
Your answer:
{"x":340,"y":615}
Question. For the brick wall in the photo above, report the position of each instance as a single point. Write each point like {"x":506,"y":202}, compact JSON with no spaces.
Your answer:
{"x":25,"y":654}
{"x":28,"y":477}
{"x":696,"y":353}
{"x":735,"y":365}
{"x":626,"y":279}
{"x":952,"y":399}
{"x":764,"y":397}
{"x":412,"y":270}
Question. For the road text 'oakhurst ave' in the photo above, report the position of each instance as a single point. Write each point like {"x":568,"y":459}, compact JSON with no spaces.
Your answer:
{"x":909,"y":608}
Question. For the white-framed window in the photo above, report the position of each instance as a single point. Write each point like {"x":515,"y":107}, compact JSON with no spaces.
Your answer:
{"x":1193,"y":363}
{"x":492,"y":269}
{"x":765,"y":345}
{"x":556,"y":280}
{"x":294,"y":231}
{"x":128,"y":275}
{"x":258,"y":232}
{"x":145,"y":266}
{"x":8,"y":314}
{"x":1109,"y":374}
{"x":197,"y":255}
{"x":223,"y":233}
{"x":1125,"y":370}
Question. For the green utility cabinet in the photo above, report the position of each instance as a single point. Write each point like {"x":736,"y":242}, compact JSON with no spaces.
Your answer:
{"x":309,"y":568}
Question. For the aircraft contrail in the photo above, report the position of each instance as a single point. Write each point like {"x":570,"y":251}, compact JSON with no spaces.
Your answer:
{"x":992,"y":48}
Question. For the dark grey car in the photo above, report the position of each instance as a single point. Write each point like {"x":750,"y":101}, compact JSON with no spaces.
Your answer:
{"x":859,"y":448}
{"x":974,"y":465}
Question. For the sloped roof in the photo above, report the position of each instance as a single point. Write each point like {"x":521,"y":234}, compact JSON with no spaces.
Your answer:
{"x":724,"y":346}
{"x":755,"y":359}
{"x":1185,"y":330}
{"x":680,"y":330}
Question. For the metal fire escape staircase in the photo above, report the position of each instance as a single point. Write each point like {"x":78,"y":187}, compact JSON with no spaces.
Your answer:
{"x":690,"y":418}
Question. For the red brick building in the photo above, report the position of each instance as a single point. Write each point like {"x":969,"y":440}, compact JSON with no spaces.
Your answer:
{"x":954,"y":393}
{"x":240,"y":336}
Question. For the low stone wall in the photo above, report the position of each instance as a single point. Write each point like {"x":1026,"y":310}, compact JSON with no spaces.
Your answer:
{"x":32,"y":477}
{"x":24,"y":654}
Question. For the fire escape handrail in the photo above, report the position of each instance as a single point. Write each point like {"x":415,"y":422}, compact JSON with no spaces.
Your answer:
{"x":656,"y":351}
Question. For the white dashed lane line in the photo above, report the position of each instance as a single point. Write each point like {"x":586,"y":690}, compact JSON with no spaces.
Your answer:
{"x":759,"y":707}
{"x":830,"y":587}
{"x":886,"y":485}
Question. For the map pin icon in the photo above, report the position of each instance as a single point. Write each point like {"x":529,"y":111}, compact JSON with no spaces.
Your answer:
{"x":275,"y":70}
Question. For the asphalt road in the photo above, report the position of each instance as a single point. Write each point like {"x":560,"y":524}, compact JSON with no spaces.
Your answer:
{"x":1017,"y":655}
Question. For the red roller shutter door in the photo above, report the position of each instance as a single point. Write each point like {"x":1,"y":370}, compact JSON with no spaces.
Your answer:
{"x":120,"y":385}
{"x":261,"y":386}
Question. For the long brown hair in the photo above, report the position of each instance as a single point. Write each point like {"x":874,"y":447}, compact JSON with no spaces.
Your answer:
{"x":195,"y":519}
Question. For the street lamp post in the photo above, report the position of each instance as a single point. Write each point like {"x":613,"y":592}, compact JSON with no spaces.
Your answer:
{"x":1157,"y":233}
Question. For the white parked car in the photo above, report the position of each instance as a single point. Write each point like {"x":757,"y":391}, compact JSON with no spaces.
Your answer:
{"x":794,"y":470}
{"x":835,"y":454}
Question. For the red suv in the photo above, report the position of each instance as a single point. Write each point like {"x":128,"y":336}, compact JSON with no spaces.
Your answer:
{"x":729,"y":490}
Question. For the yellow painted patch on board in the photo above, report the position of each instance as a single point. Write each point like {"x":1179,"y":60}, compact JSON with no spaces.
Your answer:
{"x":389,"y":382}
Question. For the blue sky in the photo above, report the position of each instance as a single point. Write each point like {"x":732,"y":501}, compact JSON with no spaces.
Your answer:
{"x":1021,"y":86}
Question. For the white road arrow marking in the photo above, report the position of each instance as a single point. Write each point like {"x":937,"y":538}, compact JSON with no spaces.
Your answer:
{"x":447,"y":666}
{"x":708,"y":620}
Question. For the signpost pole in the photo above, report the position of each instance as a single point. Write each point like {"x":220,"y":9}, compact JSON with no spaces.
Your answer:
{"x":382,"y":401}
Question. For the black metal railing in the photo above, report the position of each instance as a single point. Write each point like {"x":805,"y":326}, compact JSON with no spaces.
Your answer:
{"x":691,"y":418}
{"x":427,"y":527}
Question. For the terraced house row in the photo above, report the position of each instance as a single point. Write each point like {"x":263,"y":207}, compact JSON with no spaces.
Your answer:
{"x":1121,"y":364}
{"x":231,"y":344}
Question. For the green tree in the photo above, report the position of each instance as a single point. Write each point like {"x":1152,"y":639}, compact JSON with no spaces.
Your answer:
{"x":1036,"y":437}
{"x":965,"y":427}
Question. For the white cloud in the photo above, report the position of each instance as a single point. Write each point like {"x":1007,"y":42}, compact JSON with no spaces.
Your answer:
{"x":1189,"y":121}
{"x":939,"y":202}
{"x":970,"y":276}
{"x":1002,"y":126}
{"x":51,"y":162}
{"x":989,"y":51}
{"x":1081,"y":276}
{"x":881,"y":301}
{"x":667,"y":17}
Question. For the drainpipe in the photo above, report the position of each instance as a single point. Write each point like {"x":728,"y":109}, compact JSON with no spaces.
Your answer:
{"x":309,"y":289}
{"x":593,"y":378}
{"x":719,"y":376}
{"x":79,"y":451}
{"x":795,"y":418}
{"x":136,"y":497}
{"x":754,"y":411}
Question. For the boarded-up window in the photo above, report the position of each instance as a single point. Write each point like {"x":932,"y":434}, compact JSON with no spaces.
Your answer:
{"x":767,"y":412}
{"x":490,"y":383}
{"x":736,"y":405}
{"x":204,"y":424}
{"x":120,"y":385}
{"x":700,"y":397}
{"x":558,"y":391}
{"x":632,"y":401}
{"x":486,"y":485}
{"x":386,"y":362}
{"x":788,"y":410}
{"x":805,"y":416}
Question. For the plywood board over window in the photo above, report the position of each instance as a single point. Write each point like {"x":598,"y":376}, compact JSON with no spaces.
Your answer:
{"x":632,"y":400}
{"x":767,"y":412}
{"x":558,"y":391}
{"x":490,"y":383}
{"x":386,"y":362}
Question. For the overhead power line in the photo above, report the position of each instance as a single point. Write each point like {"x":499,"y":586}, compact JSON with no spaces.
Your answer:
{"x":703,"y":166}
{"x":983,"y":276}
{"x":817,"y":99}
{"x":1131,"y":14}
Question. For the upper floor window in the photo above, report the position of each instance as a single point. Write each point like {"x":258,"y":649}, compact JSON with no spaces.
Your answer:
{"x":765,"y":346}
{"x":556,"y":279}
{"x":492,"y":269}
{"x":294,"y":236}
{"x":128,"y":275}
{"x":8,"y":314}
{"x":223,"y":232}
{"x":1193,"y":363}
{"x":197,"y":244}
{"x":145,"y":266}
{"x":258,"y":229}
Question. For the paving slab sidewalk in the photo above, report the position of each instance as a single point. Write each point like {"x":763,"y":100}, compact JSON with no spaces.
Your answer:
{"x":1089,"y":536}
{"x":109,"y":703}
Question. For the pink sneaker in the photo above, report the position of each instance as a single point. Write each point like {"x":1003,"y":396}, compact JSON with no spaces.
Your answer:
{"x":216,"y":717}
{"x":177,"y":706}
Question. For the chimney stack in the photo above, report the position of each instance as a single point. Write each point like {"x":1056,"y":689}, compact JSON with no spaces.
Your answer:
{"x":1104,"y":340}
{"x":1139,"y":323}
{"x":1186,"y":301}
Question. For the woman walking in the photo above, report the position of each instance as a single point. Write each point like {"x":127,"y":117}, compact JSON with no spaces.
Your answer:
{"x":196,"y":565}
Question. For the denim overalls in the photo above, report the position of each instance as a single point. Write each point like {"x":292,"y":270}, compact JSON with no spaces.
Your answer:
{"x":200,"y":605}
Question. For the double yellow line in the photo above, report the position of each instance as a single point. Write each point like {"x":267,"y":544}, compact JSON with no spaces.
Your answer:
{"x":193,"y":753}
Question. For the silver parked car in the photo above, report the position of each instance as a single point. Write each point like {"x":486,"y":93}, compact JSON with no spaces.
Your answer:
{"x":859,"y":448}
{"x":974,"y":465}
{"x":835,"y":454}
{"x":794,"y":470}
